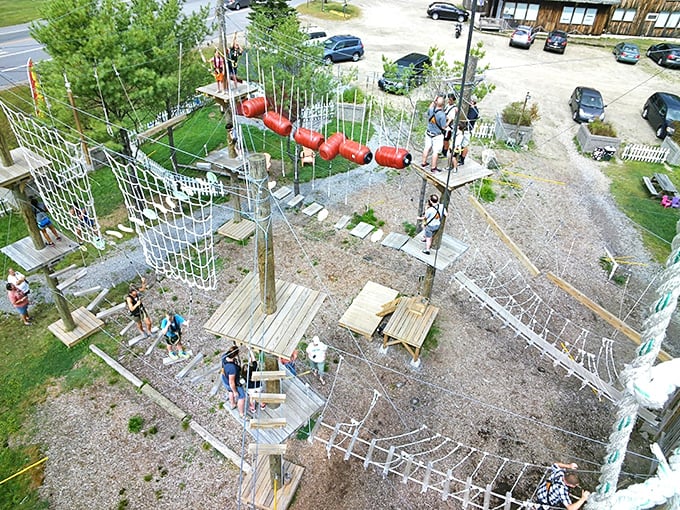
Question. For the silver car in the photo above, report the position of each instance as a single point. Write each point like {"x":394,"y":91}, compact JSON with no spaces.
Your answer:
{"x":523,"y":36}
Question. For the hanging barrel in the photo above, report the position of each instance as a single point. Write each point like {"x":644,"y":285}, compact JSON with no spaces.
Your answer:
{"x":393,"y":157}
{"x":356,"y":152}
{"x":254,"y":107}
{"x":277,"y":123}
{"x":330,"y":148}
{"x":308,"y":138}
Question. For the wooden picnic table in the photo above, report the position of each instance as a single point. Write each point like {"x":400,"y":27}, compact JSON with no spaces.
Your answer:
{"x":665,"y":184}
{"x":409,"y":325}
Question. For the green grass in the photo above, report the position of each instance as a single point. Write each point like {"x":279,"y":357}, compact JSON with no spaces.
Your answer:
{"x":14,"y":13}
{"x":657,"y":224}
{"x":333,"y":11}
{"x":17,"y":98}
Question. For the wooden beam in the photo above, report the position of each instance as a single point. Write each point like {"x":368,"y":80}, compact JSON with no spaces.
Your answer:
{"x":266,"y":449}
{"x":505,"y":238}
{"x":274,"y":423}
{"x":268,"y":398}
{"x":388,"y":307}
{"x":269,"y":376}
{"x":604,"y":314}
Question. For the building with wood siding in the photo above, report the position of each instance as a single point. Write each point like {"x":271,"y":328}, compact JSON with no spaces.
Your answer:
{"x":651,"y":18}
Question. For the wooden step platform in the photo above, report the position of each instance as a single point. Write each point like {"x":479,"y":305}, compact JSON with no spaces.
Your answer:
{"x":342,"y":222}
{"x":362,"y":230}
{"x":295,"y":201}
{"x":282,"y":192}
{"x":395,"y":240}
{"x":86,"y":324}
{"x":312,"y":209}
{"x":361,"y":316}
{"x":467,"y":173}
{"x":25,"y":255}
{"x":258,"y":482}
{"x":449,"y":251}
{"x":237,"y":230}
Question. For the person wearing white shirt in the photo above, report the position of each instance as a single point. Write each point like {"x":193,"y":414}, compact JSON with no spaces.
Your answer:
{"x":18,"y":280}
{"x":316,"y":352}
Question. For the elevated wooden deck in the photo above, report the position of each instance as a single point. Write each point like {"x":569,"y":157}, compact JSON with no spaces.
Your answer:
{"x":237,"y":230}
{"x":239,"y":91}
{"x":449,"y":251}
{"x":221,"y":163}
{"x":361,"y":316}
{"x":25,"y":255}
{"x":240,"y":317}
{"x":409,"y":325}
{"x":257,"y":486}
{"x":21,"y":169}
{"x":467,"y":173}
{"x":86,"y":324}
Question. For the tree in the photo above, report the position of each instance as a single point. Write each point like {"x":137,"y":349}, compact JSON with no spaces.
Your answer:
{"x":122,"y":59}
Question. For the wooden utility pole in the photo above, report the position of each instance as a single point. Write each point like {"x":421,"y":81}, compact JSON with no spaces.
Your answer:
{"x":59,"y":301}
{"x":264,"y":238}
{"x":79,"y":127}
{"x":5,"y":155}
{"x":236,"y":184}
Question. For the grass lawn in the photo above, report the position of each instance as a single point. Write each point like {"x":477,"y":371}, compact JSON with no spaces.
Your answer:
{"x":16,"y":12}
{"x":333,"y":11}
{"x":656,"y":223}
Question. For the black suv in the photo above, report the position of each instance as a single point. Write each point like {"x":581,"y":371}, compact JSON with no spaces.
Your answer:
{"x":409,"y":72}
{"x":342,"y":47}
{"x":445,"y":10}
{"x":665,"y":54}
{"x":662,"y":110}
{"x":556,"y":41}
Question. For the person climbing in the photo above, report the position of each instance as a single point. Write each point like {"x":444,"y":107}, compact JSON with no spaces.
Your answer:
{"x":18,"y":280}
{"x":44,"y":222}
{"x":554,"y":492}
{"x":316,"y":352}
{"x":84,"y":221}
{"x":19,"y":301}
{"x":218,"y":69}
{"x":231,"y":379}
{"x":137,"y":310}
{"x":434,"y":135}
{"x":171,"y":328}
{"x":431,"y":221}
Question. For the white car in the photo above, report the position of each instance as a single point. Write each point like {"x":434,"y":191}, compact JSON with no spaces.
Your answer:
{"x":523,"y":36}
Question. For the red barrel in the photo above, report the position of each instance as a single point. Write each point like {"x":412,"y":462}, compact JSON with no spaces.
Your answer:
{"x":356,"y":152}
{"x":254,"y":107}
{"x":393,"y":157}
{"x":308,"y":138}
{"x":277,"y":123}
{"x":330,"y":148}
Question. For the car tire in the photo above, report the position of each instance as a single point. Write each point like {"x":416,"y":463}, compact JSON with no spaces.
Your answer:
{"x":237,"y":7}
{"x":661,"y":132}
{"x":510,"y":44}
{"x":645,"y":112}
{"x":461,"y":19}
{"x":355,"y":56}
{"x":328,"y":60}
{"x":660,"y":61}
{"x":574,"y":116}
{"x":435,"y":16}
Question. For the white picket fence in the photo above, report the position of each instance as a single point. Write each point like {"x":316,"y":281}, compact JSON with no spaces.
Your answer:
{"x":646,"y":153}
{"x":483,"y":130}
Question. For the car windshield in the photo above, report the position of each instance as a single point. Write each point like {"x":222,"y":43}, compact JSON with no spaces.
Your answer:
{"x":329,"y":43}
{"x":673,"y":115}
{"x":631,"y":49}
{"x":591,"y":100}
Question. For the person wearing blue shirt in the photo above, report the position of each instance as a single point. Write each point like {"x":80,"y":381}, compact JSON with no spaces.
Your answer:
{"x":171,"y":327}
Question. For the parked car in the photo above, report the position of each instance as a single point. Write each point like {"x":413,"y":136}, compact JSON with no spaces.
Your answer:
{"x":340,"y":48}
{"x":523,"y":36}
{"x":626,"y":52}
{"x":586,"y":105}
{"x":662,"y":110}
{"x":235,"y":5}
{"x":445,"y":10}
{"x":556,"y":41}
{"x":315,"y":37}
{"x":409,"y":73}
{"x":665,"y":54}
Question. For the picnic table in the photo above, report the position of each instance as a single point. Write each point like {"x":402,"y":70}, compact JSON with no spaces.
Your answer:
{"x":667,"y":187}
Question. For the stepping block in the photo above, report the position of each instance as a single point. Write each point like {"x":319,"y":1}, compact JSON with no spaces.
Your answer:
{"x":267,"y":398}
{"x":216,"y":386}
{"x":312,"y":209}
{"x":295,"y":201}
{"x":395,"y":240}
{"x":57,"y":274}
{"x":197,"y":359}
{"x":272,"y":375}
{"x":214,"y":368}
{"x":377,"y":235}
{"x":266,"y":449}
{"x":96,"y":301}
{"x":169,"y":361}
{"x":73,"y":279}
{"x":362,"y":230}
{"x":136,"y":340}
{"x":342,"y":222}
{"x":79,"y":293}
{"x":282,"y":192}
{"x":127,"y":328}
{"x":114,"y":233}
{"x":103,"y":314}
{"x":125,"y":229}
{"x":269,"y":423}
{"x":323,"y":214}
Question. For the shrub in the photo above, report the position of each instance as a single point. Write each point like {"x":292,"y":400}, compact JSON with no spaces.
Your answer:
{"x":601,"y":128}
{"x":486,"y":192}
{"x":353,"y":95}
{"x":676,"y":134}
{"x":135,"y":424}
{"x":513,"y":112}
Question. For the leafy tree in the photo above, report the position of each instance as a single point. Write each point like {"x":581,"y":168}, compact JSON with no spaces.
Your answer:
{"x":122,"y":59}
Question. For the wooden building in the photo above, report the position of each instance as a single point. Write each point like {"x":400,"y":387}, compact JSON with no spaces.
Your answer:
{"x":650,"y":18}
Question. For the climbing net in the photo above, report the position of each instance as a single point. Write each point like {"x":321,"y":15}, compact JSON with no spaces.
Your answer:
{"x":172,"y":215}
{"x":58,"y":169}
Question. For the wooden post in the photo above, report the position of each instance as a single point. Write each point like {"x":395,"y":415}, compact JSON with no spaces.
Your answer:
{"x":273,"y":385}
{"x":430,"y":272}
{"x":276,"y":471}
{"x":5,"y":155}
{"x":421,"y":204}
{"x":264,"y":239}
{"x":59,"y":301}
{"x":173,"y":151}
{"x":296,"y":177}
{"x":79,"y":127}
{"x":236,"y":184}
{"x":28,"y":214}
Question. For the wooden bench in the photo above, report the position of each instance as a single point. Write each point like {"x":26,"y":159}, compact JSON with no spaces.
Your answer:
{"x":650,"y":187}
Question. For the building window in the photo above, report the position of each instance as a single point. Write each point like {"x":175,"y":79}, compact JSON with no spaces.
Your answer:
{"x":520,"y":11}
{"x":578,"y":16}
{"x":673,"y":20}
{"x":627,"y":15}
{"x":661,"y":20}
{"x":667,"y":19}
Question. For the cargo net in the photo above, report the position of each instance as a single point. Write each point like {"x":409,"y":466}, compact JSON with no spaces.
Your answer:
{"x":58,"y":169}
{"x":172,"y":215}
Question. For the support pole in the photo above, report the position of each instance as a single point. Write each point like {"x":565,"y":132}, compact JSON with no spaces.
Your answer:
{"x":59,"y":301}
{"x":264,"y":238}
{"x":28,"y":214}
{"x":271,"y":364}
{"x":79,"y":127}
{"x":236,"y":184}
{"x":6,"y":158}
{"x":276,"y":472}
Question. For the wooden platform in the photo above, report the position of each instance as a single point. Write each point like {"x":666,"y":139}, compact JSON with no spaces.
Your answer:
{"x":362,"y":230}
{"x":263,"y":496}
{"x":21,"y":169}
{"x":25,"y":255}
{"x":395,"y":240}
{"x":237,"y":231}
{"x":282,"y":192}
{"x":86,"y":325}
{"x":312,"y":209}
{"x":469,"y":172}
{"x":449,"y":251}
{"x":409,"y":327}
{"x":361,"y":316}
{"x":241,"y":319}
{"x":220,"y":160}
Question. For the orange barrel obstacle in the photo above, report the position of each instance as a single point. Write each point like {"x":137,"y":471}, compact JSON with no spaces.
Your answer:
{"x":330,"y":148}
{"x":393,"y":157}
{"x":308,"y":138}
{"x":254,"y":107}
{"x":277,"y":123}
{"x":356,"y":152}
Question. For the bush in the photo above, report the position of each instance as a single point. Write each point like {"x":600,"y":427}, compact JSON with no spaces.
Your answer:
{"x":512,"y":112}
{"x":676,"y":134}
{"x":600,"y":128}
{"x":135,"y":424}
{"x":353,"y":95}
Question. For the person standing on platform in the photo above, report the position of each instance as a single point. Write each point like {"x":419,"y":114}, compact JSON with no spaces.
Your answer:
{"x":19,"y":301}
{"x":472,"y":115}
{"x":434,"y":135}
{"x":218,"y":68}
{"x":231,"y":379}
{"x":171,"y":327}
{"x":289,"y":364}
{"x":450,"y":111}
{"x":316,"y":352}
{"x":18,"y":280}
{"x":431,"y":220}
{"x":235,"y":52}
{"x":44,"y":222}
{"x":137,"y":310}
{"x":554,"y":492}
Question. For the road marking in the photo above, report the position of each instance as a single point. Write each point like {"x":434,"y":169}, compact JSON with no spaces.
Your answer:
{"x":31,"y":50}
